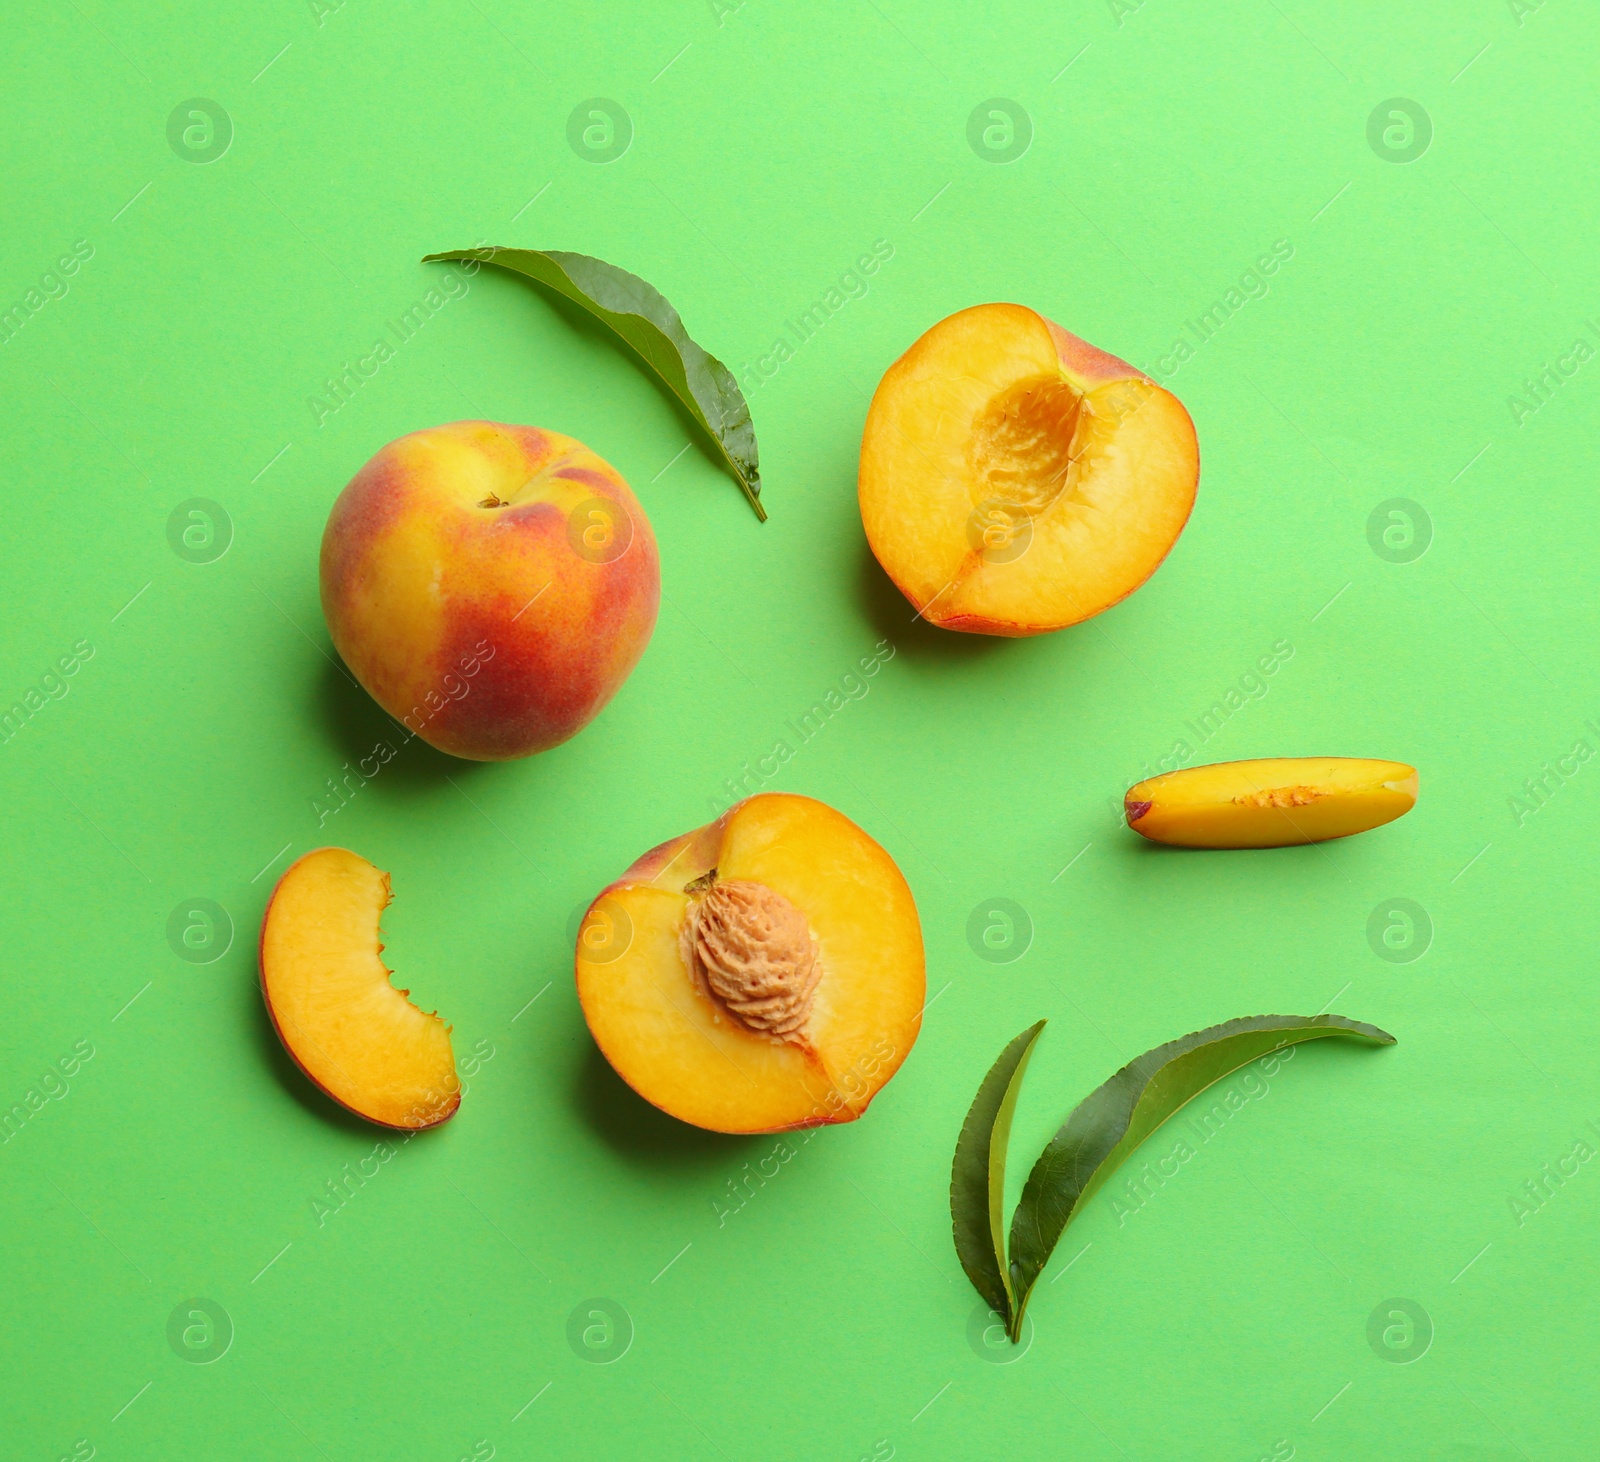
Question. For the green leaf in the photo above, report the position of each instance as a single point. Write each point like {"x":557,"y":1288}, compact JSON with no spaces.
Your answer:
{"x":640,"y":314}
{"x":978,"y":1175}
{"x":1115,"y":1118}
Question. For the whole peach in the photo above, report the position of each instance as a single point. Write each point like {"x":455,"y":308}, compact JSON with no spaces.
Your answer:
{"x":491,"y":586}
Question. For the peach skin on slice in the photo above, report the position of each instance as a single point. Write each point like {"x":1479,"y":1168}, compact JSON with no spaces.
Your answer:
{"x":1271,"y":803}
{"x":329,"y":996}
{"x":759,"y":974}
{"x":1014,"y":479}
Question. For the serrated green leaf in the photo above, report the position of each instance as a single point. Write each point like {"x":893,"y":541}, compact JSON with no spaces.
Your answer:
{"x":640,"y":314}
{"x":978,"y":1174}
{"x":1116,"y":1117}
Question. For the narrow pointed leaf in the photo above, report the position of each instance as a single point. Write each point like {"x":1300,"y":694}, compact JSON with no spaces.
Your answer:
{"x":640,"y":314}
{"x":978,"y":1175}
{"x":1115,"y":1118}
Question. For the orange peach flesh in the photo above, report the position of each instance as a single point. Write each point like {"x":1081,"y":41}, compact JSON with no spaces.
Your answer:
{"x":1015,"y":479}
{"x":670,"y":1040}
{"x":328,"y":992}
{"x":1271,"y":803}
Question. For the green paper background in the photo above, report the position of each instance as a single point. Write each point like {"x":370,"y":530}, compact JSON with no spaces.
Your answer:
{"x":1225,"y":1318}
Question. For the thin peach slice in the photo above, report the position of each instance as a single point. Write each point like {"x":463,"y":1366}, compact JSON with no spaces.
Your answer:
{"x":328,"y":993}
{"x":1014,"y":479}
{"x":760,"y":974}
{"x":1271,"y":803}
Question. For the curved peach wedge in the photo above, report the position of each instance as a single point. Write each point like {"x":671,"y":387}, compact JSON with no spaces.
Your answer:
{"x":329,"y":996}
{"x":759,"y":974}
{"x":1015,"y":480}
{"x":1272,"y":803}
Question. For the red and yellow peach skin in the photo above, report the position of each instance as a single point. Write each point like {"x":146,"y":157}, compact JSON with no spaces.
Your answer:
{"x":490,"y":586}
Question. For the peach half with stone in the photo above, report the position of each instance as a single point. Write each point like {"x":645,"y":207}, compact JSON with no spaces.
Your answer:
{"x":762,"y":973}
